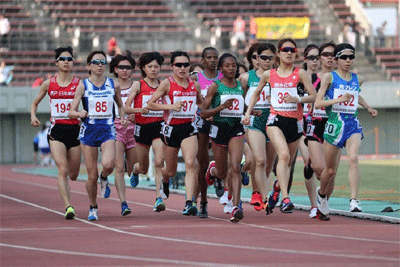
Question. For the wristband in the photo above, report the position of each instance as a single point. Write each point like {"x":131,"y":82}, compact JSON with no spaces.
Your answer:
{"x":298,"y":98}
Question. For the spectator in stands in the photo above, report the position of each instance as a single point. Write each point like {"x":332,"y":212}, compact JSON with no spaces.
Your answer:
{"x":6,"y":73}
{"x":4,"y":31}
{"x":239,"y":26}
{"x":112,"y":46}
{"x":381,"y":34}
{"x":253,"y":30}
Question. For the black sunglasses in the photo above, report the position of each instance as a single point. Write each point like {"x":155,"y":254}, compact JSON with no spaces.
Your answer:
{"x":124,"y":67}
{"x":312,"y":57}
{"x":345,"y":57}
{"x":264,"y":57}
{"x":327,"y":54}
{"x":288,"y":49}
{"x":180,"y":65}
{"x":254,"y":56}
{"x":65,"y":59}
{"x":99,"y":61}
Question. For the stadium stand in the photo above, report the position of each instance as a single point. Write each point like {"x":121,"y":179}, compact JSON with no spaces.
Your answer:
{"x":389,"y":59}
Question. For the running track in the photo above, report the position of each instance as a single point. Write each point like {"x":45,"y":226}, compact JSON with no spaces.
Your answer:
{"x":35,"y":233}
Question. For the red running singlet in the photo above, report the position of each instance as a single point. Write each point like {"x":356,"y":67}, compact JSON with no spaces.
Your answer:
{"x":141,"y":100}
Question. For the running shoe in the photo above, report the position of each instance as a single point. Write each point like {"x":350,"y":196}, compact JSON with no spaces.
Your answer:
{"x":125,"y":209}
{"x":287,"y":205}
{"x":224,"y":199}
{"x":256,"y":201}
{"x":197,"y":209}
{"x":69,"y":213}
{"x":274,"y":196}
{"x":159,"y":205}
{"x":203,"y":210}
{"x":164,"y":190}
{"x":354,"y":205}
{"x":245,"y":175}
{"x":308,"y":170}
{"x":313,"y":213}
{"x":209,"y":178}
{"x":189,"y":209}
{"x":321,"y":216}
{"x":228,"y":207}
{"x":323,"y":205}
{"x":105,"y":188}
{"x":93,"y":215}
{"x":237,"y":214}
{"x":134,"y":179}
{"x":219,"y":187}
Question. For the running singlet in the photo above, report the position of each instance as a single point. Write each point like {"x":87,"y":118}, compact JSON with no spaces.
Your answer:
{"x":188,"y":96}
{"x":99,"y":102}
{"x":124,"y":96}
{"x":252,"y":83}
{"x":205,"y":82}
{"x":280,"y":87}
{"x":339,"y":87}
{"x":60,"y":101}
{"x":234,"y":113}
{"x":141,"y":100}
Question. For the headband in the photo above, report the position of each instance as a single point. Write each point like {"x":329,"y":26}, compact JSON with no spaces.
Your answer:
{"x":344,"y":50}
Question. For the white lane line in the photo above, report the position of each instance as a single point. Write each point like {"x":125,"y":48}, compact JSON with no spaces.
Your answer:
{"x":241,"y":247}
{"x":111,"y":256}
{"x":221,"y":219}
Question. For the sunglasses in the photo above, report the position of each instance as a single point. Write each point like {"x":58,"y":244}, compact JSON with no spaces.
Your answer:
{"x":254,"y":57}
{"x":264,"y":57}
{"x":345,"y":57}
{"x":312,"y":57}
{"x":99,"y":61}
{"x":124,"y":67}
{"x":65,"y":59}
{"x":327,"y":54}
{"x":288,"y":49}
{"x":180,"y":65}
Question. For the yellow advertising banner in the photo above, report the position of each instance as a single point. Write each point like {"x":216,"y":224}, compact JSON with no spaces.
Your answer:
{"x":278,"y":28}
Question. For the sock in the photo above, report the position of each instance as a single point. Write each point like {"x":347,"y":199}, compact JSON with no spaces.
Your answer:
{"x":323,"y":196}
{"x":93,"y":207}
{"x":189,"y":203}
{"x":102,"y":178}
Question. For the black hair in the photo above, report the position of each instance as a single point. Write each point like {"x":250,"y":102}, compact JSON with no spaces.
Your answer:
{"x":343,"y":46}
{"x":118,"y":58}
{"x":148,"y":57}
{"x":194,"y":65}
{"x":203,"y":54}
{"x":243,"y":66}
{"x":306,"y":51}
{"x":253,"y":48}
{"x":178,"y":54}
{"x":266,"y":46}
{"x":91,"y":55}
{"x":325,"y":45}
{"x":63,"y":49}
{"x":222,"y":59}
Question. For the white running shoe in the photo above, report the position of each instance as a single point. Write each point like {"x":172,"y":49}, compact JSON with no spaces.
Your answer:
{"x":354,"y":207}
{"x":228,"y":208}
{"x":93,"y":215}
{"x":224,"y":199}
{"x":105,"y":188}
{"x":313,"y":213}
{"x":323,"y":204}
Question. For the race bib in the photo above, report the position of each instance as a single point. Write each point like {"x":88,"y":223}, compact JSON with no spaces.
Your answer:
{"x":60,"y":108}
{"x":300,"y":126}
{"x":152,"y":113}
{"x":320,"y":113}
{"x":188,"y":109}
{"x":167,"y":130}
{"x":345,"y":107}
{"x":199,"y":121}
{"x":237,"y":108}
{"x":137,"y":130}
{"x":277,"y":101}
{"x":213,"y":131}
{"x":330,"y":129}
{"x":310,"y":130}
{"x":100,"y":107}
{"x":262,"y":100}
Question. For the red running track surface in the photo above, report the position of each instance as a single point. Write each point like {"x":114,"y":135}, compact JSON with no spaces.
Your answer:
{"x":35,"y":233}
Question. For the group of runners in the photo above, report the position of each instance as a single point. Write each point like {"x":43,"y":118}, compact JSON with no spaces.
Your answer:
{"x":267,"y":114}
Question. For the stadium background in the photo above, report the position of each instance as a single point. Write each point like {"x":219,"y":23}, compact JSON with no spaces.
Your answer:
{"x":39,"y":26}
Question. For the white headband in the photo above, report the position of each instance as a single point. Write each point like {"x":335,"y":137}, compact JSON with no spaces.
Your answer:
{"x":344,"y":50}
